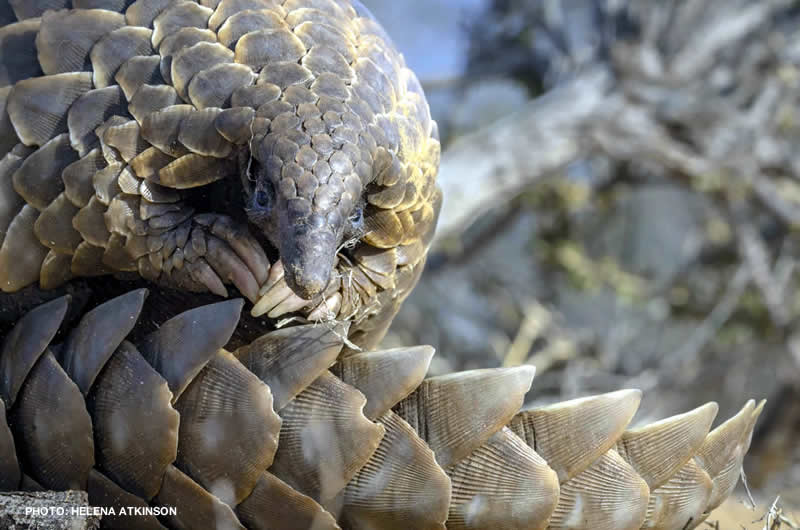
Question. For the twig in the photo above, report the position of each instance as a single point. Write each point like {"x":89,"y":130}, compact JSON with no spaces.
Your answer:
{"x":485,"y":168}
{"x":747,"y":489}
{"x":771,"y":515}
{"x":536,"y":319}
{"x":708,"y":329}
{"x":754,"y":252}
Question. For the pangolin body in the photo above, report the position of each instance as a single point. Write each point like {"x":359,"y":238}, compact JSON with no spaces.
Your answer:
{"x":267,"y":437}
{"x":280,"y":146}
{"x":184,"y":142}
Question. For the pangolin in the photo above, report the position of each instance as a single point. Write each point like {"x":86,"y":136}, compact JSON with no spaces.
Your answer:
{"x":191,"y":143}
{"x":268,"y":437}
{"x":283,"y":148}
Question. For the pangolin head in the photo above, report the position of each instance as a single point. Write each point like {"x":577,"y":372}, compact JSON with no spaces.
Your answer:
{"x":307,"y":200}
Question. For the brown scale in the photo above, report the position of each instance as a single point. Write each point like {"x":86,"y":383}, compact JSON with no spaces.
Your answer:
{"x":285,"y":433}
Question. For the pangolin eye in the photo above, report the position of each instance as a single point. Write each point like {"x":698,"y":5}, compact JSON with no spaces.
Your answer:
{"x":263,"y":197}
{"x":357,"y":217}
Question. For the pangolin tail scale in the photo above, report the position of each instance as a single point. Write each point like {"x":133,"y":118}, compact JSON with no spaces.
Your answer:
{"x":284,"y":433}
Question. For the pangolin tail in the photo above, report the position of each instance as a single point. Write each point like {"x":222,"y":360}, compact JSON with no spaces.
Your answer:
{"x":285,"y":432}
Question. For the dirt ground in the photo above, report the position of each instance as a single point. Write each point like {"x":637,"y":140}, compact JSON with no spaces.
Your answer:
{"x":736,"y":514}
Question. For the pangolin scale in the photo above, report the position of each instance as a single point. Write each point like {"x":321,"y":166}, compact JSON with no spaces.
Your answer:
{"x":283,"y":148}
{"x":278,"y":434}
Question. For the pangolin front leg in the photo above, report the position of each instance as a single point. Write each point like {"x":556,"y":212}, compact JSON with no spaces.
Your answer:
{"x":204,"y":253}
{"x":116,"y":147}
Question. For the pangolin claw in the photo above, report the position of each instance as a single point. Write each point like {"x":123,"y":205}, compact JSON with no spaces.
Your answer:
{"x":241,"y":241}
{"x":277,"y":298}
{"x":203,"y":274}
{"x":230,"y":267}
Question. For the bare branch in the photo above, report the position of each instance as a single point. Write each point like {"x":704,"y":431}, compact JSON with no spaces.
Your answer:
{"x":487,"y":167}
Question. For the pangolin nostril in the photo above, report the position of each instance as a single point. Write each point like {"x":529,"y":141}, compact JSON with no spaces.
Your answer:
{"x":308,"y":284}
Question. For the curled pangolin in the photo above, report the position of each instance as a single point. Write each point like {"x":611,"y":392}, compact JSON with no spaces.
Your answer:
{"x":191,"y":143}
{"x":267,"y":437}
{"x":282,"y":147}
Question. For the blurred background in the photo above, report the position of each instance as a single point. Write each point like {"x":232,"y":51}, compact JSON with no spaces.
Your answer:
{"x":622,"y":203}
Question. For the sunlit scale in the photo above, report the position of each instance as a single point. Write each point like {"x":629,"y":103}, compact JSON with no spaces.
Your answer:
{"x":288,"y":433}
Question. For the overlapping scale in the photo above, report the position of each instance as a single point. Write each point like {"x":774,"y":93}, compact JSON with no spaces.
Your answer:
{"x":290,"y":359}
{"x":93,"y":340}
{"x":228,"y":431}
{"x":135,"y":426}
{"x":274,"y":505}
{"x":401,"y":486}
{"x":573,"y":434}
{"x":325,"y":438}
{"x":454,"y":464}
{"x":385,"y":377}
{"x":59,"y":453}
{"x":9,"y":466}
{"x":503,"y":484}
{"x":608,"y":495}
{"x":104,"y":492}
{"x":656,"y":451}
{"x":457,"y":413}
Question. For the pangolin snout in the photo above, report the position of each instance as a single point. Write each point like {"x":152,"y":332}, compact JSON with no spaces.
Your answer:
{"x":308,"y":256}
